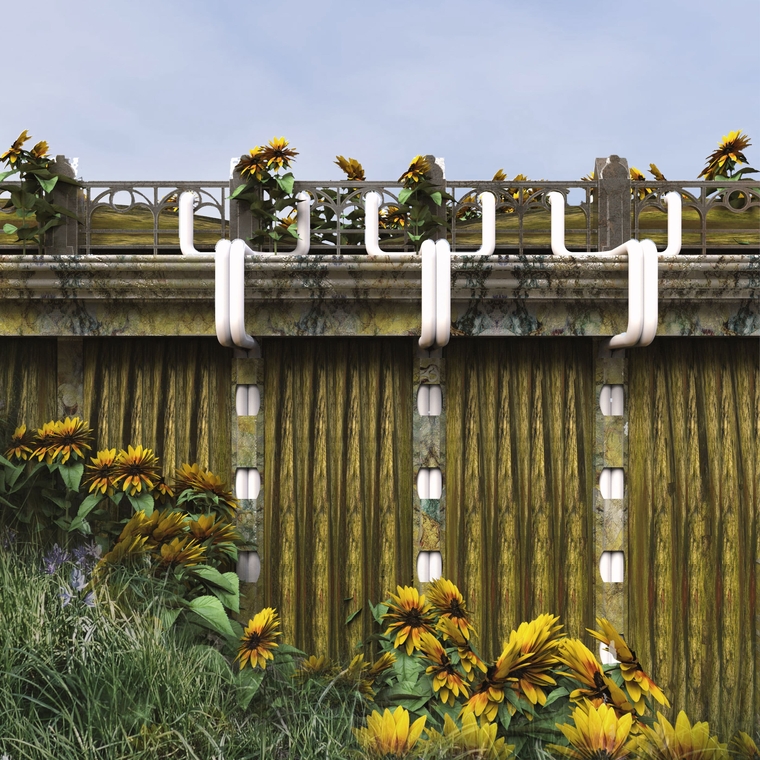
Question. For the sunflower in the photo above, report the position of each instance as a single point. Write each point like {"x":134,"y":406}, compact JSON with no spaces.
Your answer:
{"x":167,"y":524}
{"x":258,"y":639}
{"x":204,"y":482}
{"x":353,"y":169}
{"x":42,"y":440}
{"x":637,"y":176}
{"x":162,"y":491}
{"x":540,"y":640}
{"x":448,"y":682}
{"x":590,"y":177}
{"x":276,"y":153}
{"x":586,"y":669}
{"x":253,"y":164}
{"x":408,"y":617}
{"x":472,"y":740}
{"x":637,"y":682}
{"x":125,"y":552}
{"x":100,"y":473}
{"x":67,"y":438}
{"x":389,"y":733}
{"x":416,"y":171}
{"x":137,"y":467}
{"x":489,"y":694}
{"x":21,"y":444}
{"x":656,"y":173}
{"x":312,"y":667}
{"x":728,"y":154}
{"x":447,"y":601}
{"x":211,"y":527}
{"x":11,"y":155}
{"x":141,"y":524}
{"x":598,"y":734}
{"x":40,"y":150}
{"x":181,"y":551}
{"x":467,"y":658}
{"x":743,"y":746}
{"x":392,"y":217}
{"x":664,"y":742}
{"x":499,"y":176}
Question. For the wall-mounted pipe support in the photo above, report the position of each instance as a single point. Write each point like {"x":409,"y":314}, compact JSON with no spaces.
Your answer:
{"x":488,"y":220}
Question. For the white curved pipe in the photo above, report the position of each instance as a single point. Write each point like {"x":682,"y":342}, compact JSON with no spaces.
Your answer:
{"x":372,"y":201}
{"x":435,"y":566}
{"x":303,"y":223}
{"x":186,"y":233}
{"x":651,"y":295}
{"x":488,"y":205}
{"x":632,"y":334}
{"x":442,"y":293}
{"x":222,"y":293}
{"x":673,"y":202}
{"x":428,"y":331}
{"x":237,"y":296}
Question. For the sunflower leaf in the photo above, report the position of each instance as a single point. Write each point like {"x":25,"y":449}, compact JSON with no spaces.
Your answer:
{"x":209,"y":609}
{"x":436,"y":198}
{"x":48,"y":184}
{"x":213,"y":576}
{"x":249,"y":681}
{"x":404,"y":195}
{"x":10,"y":229}
{"x":556,"y":694}
{"x":72,"y":475}
{"x":353,"y":615}
{"x":89,"y":504}
{"x":142,"y":502}
{"x":285,"y":183}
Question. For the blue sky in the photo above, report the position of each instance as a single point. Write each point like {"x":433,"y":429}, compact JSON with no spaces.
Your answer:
{"x":169,"y":90}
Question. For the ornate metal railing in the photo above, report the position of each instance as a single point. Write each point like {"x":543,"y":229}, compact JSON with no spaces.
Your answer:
{"x":141,"y":217}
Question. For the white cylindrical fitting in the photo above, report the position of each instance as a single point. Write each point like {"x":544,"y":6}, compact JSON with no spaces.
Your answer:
{"x":241,"y":400}
{"x":248,"y":566}
{"x":254,"y":483}
{"x":423,"y":567}
{"x":612,"y":400}
{"x":423,"y":483}
{"x":612,"y":483}
{"x":241,"y":483}
{"x":423,"y":400}
{"x":617,"y":567}
{"x":436,"y":401}
{"x":254,"y":400}
{"x":436,"y":483}
{"x":436,"y":566}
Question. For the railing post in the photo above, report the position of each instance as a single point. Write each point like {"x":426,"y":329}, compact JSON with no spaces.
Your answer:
{"x":437,"y":176}
{"x":614,"y":202}
{"x":242,"y":222}
{"x":64,"y":239}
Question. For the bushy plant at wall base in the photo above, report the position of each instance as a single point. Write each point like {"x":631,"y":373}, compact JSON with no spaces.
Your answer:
{"x":267,"y":192}
{"x":31,"y":201}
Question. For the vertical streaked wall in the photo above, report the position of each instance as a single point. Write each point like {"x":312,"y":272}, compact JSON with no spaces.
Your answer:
{"x":27,"y":382}
{"x":694,"y":530}
{"x":519,"y":443}
{"x":338,"y":483}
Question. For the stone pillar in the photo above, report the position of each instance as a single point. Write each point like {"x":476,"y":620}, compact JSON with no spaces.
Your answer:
{"x":429,"y":446}
{"x":242,"y":222}
{"x":64,"y":239}
{"x":437,"y":176}
{"x":613,"y":202}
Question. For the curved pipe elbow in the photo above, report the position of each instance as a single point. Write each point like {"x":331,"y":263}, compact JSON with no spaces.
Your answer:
{"x":632,"y":335}
{"x":237,"y":296}
{"x":442,"y":293}
{"x":488,"y":204}
{"x":675,"y":214}
{"x":651,"y":294}
{"x":428,"y":288}
{"x":372,"y":223}
{"x":222,"y":293}
{"x":186,"y":233}
{"x":303,"y":223}
{"x":557,"y":201}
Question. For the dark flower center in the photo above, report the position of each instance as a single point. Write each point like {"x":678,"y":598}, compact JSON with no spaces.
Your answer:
{"x":253,"y":641}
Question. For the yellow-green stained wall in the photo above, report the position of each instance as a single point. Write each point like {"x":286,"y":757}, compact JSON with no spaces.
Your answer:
{"x":27,"y":382}
{"x":519,"y":480}
{"x":338,"y":482}
{"x":694,"y":524}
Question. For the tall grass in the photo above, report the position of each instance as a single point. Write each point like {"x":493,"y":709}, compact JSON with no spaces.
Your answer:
{"x":110,"y":682}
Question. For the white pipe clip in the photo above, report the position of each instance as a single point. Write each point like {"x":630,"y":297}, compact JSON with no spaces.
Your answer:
{"x":643,"y":263}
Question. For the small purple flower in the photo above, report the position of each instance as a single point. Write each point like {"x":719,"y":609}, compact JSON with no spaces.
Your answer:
{"x":8,"y":538}
{"x":89,"y":599}
{"x":87,"y":556}
{"x":52,"y":561}
{"x":65,"y":597}
{"x":78,"y":580}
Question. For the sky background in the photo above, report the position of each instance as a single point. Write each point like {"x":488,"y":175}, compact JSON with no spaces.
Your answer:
{"x":168,"y":90}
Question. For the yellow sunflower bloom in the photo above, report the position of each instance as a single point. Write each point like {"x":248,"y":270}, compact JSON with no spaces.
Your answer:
{"x":11,"y":155}
{"x":42,"y":439}
{"x":167,"y":524}
{"x":598,"y":734}
{"x":590,"y":177}
{"x":202,"y":481}
{"x":448,"y":682}
{"x":258,"y":639}
{"x":540,"y":639}
{"x":21,"y":444}
{"x":136,"y":469}
{"x":743,"y":747}
{"x":67,"y":438}
{"x":40,"y":150}
{"x":728,"y":154}
{"x":447,"y":601}
{"x":656,"y":173}
{"x":253,"y":164}
{"x":211,"y":527}
{"x":499,"y":176}
{"x":124,"y":552}
{"x":353,"y":169}
{"x":181,"y":551}
{"x":637,"y":682}
{"x":585,"y":668}
{"x":162,"y":491}
{"x":416,"y":171}
{"x":408,"y":617}
{"x":468,"y":659}
{"x":683,"y":742}
{"x":389,"y":733}
{"x":276,"y":153}
{"x":100,"y":473}
{"x":312,"y":667}
{"x":471,"y":740}
{"x":392,"y":217}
